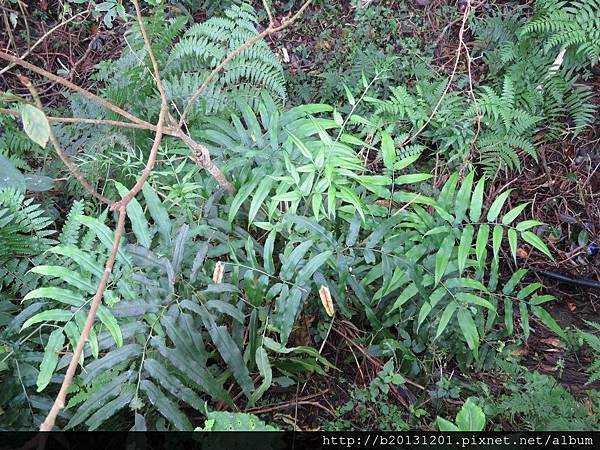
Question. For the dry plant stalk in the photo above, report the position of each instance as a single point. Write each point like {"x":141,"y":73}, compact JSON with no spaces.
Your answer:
{"x":166,"y":125}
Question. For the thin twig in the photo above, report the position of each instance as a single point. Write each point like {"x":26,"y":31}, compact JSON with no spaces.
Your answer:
{"x":41,"y":39}
{"x":461,"y":33}
{"x":69,"y":85}
{"x":115,"y":123}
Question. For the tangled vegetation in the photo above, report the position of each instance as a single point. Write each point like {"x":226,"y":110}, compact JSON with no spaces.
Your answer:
{"x":246,"y":209}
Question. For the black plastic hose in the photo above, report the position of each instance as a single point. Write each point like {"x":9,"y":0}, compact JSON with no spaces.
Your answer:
{"x":566,"y":279}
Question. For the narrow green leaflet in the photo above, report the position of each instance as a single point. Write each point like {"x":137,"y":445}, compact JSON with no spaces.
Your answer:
{"x":48,"y":365}
{"x":240,"y":198}
{"x":388,"y":151}
{"x":166,"y":407}
{"x":497,"y":206}
{"x":292,"y":260}
{"x":463,"y":197}
{"x":67,"y":275}
{"x":264,"y":368}
{"x":512,"y":243}
{"x":268,"y":252}
{"x":474,"y":299}
{"x":469,"y":330}
{"x":442,"y":257}
{"x":312,"y":266}
{"x":445,"y":319}
{"x":111,"y":324}
{"x":52,"y":315}
{"x":549,"y":321}
{"x":139,"y":224}
{"x":464,"y":247}
{"x":158,"y":212}
{"x":477,"y":201}
{"x":259,"y":197}
{"x":35,"y":125}
{"x":59,"y":294}
{"x":510,"y":216}
{"x":535,"y":241}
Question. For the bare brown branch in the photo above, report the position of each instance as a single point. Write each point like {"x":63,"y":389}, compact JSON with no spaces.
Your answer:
{"x":249,"y":43}
{"x":66,"y":83}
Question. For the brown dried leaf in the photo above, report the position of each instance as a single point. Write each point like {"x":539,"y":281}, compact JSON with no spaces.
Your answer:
{"x":218,"y":272}
{"x":325,"y":296}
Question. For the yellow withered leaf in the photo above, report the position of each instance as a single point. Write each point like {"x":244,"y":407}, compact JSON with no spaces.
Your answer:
{"x":325,"y":296}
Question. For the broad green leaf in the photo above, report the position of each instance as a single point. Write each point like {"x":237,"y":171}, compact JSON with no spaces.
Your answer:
{"x":35,"y":125}
{"x":510,"y":216}
{"x":497,"y":206}
{"x":442,"y":258}
{"x":464,"y":248}
{"x":445,"y":318}
{"x":38,"y":183}
{"x":477,"y":201}
{"x":10,"y":177}
{"x":50,"y":360}
{"x":260,"y":194}
{"x":536,"y":242}
{"x":469,"y":330}
{"x":446,"y":425}
{"x":470,"y":417}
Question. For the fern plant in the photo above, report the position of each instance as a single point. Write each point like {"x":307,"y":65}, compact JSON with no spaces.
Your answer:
{"x":573,"y":26}
{"x":24,"y":233}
